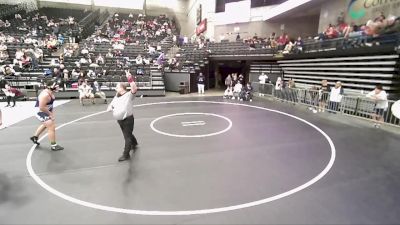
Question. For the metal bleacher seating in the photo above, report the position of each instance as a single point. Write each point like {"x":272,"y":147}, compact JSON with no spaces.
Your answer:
{"x":357,"y":73}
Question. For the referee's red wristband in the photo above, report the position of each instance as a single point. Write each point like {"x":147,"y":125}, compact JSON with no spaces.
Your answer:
{"x":131,"y":79}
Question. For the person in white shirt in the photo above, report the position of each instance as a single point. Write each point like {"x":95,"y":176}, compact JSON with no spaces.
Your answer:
{"x":85,"y":51}
{"x":85,"y":92}
{"x":122,"y":109}
{"x":336,"y":97}
{"x":139,"y":60}
{"x":236,"y":90}
{"x":379,"y":96}
{"x":263,"y":78}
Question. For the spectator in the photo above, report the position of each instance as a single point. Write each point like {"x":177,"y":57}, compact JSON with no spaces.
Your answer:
{"x":279,"y":87}
{"x":336,"y":97}
{"x":228,"y":92}
{"x":200,"y":84}
{"x":228,"y":80}
{"x":11,"y":94}
{"x":8,"y":70}
{"x":85,"y":92}
{"x":379,"y":96}
{"x":288,"y":48}
{"x":109,"y":54}
{"x":98,"y":92}
{"x":247,"y":93}
{"x":323,"y":95}
{"x":298,"y":45}
{"x":139,"y":60}
{"x":263,"y":79}
{"x":100,"y":59}
{"x":236,"y":90}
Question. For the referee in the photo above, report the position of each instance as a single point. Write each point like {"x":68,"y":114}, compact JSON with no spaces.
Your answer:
{"x":122,"y":109}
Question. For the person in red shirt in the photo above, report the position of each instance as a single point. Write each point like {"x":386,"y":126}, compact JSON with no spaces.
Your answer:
{"x":11,"y":94}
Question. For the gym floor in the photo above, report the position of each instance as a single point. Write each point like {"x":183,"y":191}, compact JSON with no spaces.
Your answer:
{"x":202,"y":160}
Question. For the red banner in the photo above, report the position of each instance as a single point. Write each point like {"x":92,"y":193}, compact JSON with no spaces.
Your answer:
{"x":202,"y":27}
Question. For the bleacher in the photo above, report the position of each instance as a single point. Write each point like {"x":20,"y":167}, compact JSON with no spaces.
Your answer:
{"x":357,"y":73}
{"x":238,"y":48}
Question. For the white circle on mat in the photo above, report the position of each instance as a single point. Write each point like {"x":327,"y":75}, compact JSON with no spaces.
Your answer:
{"x":186,"y":212}
{"x":194,"y":135}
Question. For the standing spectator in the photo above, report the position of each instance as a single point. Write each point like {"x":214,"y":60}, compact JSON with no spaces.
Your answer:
{"x":279,"y":87}
{"x":379,"y":96}
{"x":323,"y":95}
{"x":263,"y":79}
{"x":336,"y":97}
{"x":291,"y":92}
{"x":228,"y":80}
{"x":200,"y":83}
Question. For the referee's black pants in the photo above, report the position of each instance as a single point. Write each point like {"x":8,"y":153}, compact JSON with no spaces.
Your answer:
{"x":127,"y":129}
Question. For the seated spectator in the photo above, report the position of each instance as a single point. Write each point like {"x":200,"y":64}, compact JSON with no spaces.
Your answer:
{"x":298,"y":45}
{"x":228,"y":93}
{"x":8,"y":70}
{"x":282,"y":41}
{"x":100,"y":59}
{"x":118,"y":46}
{"x":109,"y":54}
{"x":52,"y":44}
{"x":68,"y":52}
{"x":288,"y":48}
{"x":85,"y":51}
{"x":85,"y":92}
{"x":139,"y":60}
{"x":18,"y":56}
{"x":25,"y":62}
{"x":96,"y":87}
{"x":11,"y":94}
{"x":38,"y":54}
{"x":236,"y":90}
{"x":91,"y":74}
{"x":3,"y":47}
{"x":84,"y":60}
{"x":172,"y":62}
{"x":331,"y":32}
{"x":152,"y":50}
{"x":3,"y":56}
{"x":57,"y":73}
{"x":7,"y":24}
{"x":247,"y":93}
{"x":76,"y":73}
{"x":60,"y":39}
{"x":54,"y":62}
